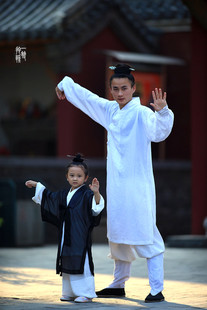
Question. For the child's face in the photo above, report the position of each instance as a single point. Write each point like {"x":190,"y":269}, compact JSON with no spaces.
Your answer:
{"x":76,"y":177}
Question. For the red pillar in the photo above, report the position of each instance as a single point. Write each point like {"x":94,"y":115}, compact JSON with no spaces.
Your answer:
{"x":199,"y":126}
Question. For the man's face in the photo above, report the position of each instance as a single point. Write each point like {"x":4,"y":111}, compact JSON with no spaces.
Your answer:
{"x":122,"y":91}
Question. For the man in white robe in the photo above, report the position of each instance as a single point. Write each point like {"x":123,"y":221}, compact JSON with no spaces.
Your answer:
{"x":131,"y":205}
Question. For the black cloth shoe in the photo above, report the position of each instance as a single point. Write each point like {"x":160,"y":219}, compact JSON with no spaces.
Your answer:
{"x":157,"y":298}
{"x":111,"y":292}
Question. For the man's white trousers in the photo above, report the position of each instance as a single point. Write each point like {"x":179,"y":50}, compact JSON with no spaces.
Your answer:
{"x":124,"y":254}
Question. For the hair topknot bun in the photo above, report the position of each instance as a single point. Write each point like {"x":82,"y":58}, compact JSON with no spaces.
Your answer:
{"x":78,"y":158}
{"x":122,"y":69}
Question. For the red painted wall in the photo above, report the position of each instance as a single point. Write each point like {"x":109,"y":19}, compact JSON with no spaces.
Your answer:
{"x":199,"y":127}
{"x":178,"y":89}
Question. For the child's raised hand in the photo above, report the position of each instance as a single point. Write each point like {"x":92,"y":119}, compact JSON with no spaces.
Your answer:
{"x":31,"y":184}
{"x":95,"y":185}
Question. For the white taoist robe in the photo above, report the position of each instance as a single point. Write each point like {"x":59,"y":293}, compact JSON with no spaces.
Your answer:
{"x":131,"y":205}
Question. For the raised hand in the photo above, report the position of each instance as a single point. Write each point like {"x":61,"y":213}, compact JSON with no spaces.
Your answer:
{"x":31,"y":184}
{"x":95,"y":185}
{"x":159,"y":99}
{"x":60,"y":94}
{"x":95,"y":188}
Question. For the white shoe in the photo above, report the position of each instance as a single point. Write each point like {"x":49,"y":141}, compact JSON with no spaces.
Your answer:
{"x":66,"y":298}
{"x":83,"y":299}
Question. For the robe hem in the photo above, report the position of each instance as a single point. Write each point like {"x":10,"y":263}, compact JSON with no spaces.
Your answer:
{"x":70,"y":271}
{"x":131,"y":242}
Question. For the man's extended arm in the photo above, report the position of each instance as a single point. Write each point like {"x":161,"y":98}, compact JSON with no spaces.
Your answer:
{"x":91,"y":104}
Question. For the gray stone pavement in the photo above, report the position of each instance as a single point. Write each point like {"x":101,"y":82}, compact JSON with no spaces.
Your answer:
{"x":28,"y":280}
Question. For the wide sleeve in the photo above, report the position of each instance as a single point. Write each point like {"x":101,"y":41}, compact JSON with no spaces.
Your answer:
{"x":91,"y":104}
{"x":38,"y":193}
{"x":157,"y":125}
{"x":50,"y":207}
{"x":97,"y":208}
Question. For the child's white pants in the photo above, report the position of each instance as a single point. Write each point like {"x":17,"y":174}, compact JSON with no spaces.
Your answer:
{"x":124,"y":254}
{"x":79,"y":285}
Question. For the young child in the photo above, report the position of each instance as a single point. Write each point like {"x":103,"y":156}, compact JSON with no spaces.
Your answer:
{"x":74,"y":212}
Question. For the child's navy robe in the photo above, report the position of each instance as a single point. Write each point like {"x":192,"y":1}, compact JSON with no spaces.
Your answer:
{"x":79,"y":223}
